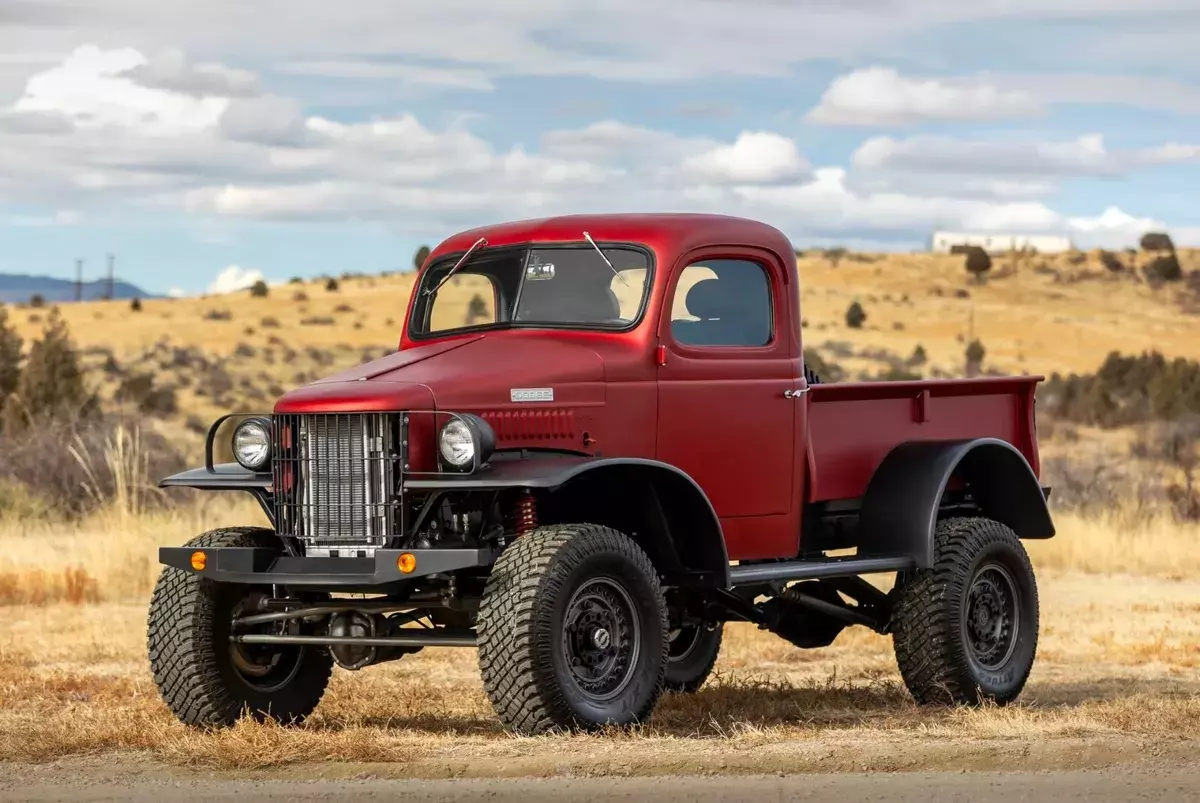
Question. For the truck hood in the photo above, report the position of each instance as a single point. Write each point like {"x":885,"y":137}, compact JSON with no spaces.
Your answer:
{"x":478,"y":373}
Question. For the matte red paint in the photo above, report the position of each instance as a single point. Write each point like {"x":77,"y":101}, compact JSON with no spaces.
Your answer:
{"x":720,"y":414}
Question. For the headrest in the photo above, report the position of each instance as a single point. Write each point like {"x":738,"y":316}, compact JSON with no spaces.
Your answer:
{"x":708,"y":298}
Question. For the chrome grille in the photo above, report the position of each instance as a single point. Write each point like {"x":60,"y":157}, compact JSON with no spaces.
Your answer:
{"x":333,"y":479}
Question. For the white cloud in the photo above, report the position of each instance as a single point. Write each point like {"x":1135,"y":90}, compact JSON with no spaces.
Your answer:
{"x":1112,"y":228}
{"x":450,"y":78}
{"x":1086,"y":156}
{"x":755,"y":157}
{"x":92,"y":88}
{"x":879,"y":96}
{"x":233,"y":279}
{"x":882,"y":96}
{"x":173,"y":71}
{"x":1139,"y":91}
{"x":123,"y":145}
{"x":267,"y":120}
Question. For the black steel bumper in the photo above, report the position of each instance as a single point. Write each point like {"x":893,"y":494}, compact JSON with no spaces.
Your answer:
{"x":258,"y":566}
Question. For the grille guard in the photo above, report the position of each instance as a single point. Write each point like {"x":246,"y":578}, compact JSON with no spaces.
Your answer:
{"x":389,"y":480}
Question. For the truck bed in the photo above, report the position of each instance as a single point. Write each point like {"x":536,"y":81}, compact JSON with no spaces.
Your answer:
{"x":853,"y":425}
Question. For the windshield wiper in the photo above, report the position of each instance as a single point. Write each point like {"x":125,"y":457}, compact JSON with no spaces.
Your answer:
{"x":588,"y":237}
{"x":480,"y":243}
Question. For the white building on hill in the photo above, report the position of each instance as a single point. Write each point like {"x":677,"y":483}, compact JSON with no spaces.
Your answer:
{"x":944,"y":241}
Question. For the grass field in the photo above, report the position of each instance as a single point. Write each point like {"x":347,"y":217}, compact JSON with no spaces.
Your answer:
{"x":1118,"y":674}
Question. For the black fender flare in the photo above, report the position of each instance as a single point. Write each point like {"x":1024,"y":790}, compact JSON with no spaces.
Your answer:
{"x":227,"y":477}
{"x":693,"y":527}
{"x":901,"y":504}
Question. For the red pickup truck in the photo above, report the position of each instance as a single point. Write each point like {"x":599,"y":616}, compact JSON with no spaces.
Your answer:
{"x":587,"y":475}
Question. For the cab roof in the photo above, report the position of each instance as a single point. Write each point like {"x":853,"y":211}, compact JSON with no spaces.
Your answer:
{"x":667,"y":233}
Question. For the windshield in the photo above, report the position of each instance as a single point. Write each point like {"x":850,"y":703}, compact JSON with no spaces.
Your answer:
{"x":556,"y":286}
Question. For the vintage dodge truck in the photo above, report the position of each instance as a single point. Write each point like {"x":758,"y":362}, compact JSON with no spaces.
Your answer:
{"x":588,"y":475}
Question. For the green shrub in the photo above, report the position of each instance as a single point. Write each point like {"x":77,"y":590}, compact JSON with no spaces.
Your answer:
{"x":1126,"y":390}
{"x":1164,"y":268}
{"x":259,"y":289}
{"x":1111,"y":261}
{"x":1156,"y":241}
{"x":975,"y":353}
{"x":10,"y":358}
{"x":856,"y":316}
{"x":420,"y":257}
{"x":918,"y":356}
{"x":51,"y":383}
{"x":978,"y":261}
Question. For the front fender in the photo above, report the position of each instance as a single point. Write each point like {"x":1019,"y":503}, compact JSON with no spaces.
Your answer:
{"x":691,"y":523}
{"x":900,"y":507}
{"x":227,"y":477}
{"x":221,"y":477}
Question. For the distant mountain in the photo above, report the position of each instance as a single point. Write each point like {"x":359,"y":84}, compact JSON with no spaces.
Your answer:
{"x":16,"y":288}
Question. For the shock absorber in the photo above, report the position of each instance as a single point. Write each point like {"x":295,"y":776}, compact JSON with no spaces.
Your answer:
{"x":525,"y":515}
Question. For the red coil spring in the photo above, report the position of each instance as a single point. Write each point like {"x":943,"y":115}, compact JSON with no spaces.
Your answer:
{"x":525,"y":517}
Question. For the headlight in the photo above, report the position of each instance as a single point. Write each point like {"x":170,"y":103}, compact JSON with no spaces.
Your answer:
{"x":252,"y":444}
{"x":466,"y":442}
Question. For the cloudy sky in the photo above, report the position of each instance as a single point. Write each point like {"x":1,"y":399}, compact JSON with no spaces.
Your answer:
{"x":297,"y":137}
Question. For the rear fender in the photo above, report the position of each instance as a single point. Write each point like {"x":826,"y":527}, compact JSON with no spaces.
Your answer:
{"x":901,"y":505}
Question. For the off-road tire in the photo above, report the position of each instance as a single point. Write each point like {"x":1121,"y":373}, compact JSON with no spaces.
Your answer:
{"x":188,"y":640}
{"x":523,"y":629}
{"x":929,"y":618}
{"x":688,"y":672}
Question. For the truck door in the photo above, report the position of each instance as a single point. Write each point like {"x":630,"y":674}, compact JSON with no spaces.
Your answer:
{"x":725,"y":365}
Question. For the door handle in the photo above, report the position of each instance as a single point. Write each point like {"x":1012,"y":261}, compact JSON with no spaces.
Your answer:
{"x":794,"y":394}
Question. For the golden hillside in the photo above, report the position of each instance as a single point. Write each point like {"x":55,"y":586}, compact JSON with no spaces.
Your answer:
{"x":1034,"y":314}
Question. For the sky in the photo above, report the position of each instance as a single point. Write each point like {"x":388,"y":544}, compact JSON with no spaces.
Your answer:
{"x":207,"y":144}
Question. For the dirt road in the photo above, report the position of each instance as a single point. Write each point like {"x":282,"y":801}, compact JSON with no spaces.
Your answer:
{"x":84,"y":782}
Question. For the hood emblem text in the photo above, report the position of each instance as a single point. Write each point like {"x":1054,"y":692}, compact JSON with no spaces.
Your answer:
{"x":532,"y":394}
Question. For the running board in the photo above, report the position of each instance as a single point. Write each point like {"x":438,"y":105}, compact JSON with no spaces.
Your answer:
{"x":816,"y":569}
{"x":419,"y":638}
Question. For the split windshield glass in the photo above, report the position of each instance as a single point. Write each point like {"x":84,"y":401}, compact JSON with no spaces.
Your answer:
{"x":549,"y":287}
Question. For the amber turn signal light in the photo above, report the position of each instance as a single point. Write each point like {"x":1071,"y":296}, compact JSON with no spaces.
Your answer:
{"x":406,"y":563}
{"x":199,"y":561}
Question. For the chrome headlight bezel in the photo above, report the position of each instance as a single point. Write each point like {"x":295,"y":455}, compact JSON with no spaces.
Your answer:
{"x":465,"y":428}
{"x":257,"y":457}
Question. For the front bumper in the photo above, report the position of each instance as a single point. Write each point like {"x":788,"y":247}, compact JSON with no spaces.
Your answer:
{"x":259,"y":566}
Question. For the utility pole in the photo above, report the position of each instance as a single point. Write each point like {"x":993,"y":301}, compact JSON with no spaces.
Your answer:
{"x":79,"y":280}
{"x":111,"y":277}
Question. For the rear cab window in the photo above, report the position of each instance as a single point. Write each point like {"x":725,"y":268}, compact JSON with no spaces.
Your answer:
{"x":722,"y":303}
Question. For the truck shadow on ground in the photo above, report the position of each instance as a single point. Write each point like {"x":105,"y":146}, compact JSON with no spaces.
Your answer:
{"x":727,"y":707}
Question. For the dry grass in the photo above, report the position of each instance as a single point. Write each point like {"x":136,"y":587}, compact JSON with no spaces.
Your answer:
{"x":1109,"y":669}
{"x":1118,"y":668}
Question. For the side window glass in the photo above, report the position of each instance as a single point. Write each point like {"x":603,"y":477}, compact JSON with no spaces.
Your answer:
{"x":722,"y":302}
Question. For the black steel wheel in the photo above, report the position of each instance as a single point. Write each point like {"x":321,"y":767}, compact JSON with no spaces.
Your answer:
{"x":207,"y":680}
{"x":966,"y":629}
{"x":692,"y":652}
{"x":991,"y":621}
{"x":572,"y":631}
{"x":601,"y":638}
